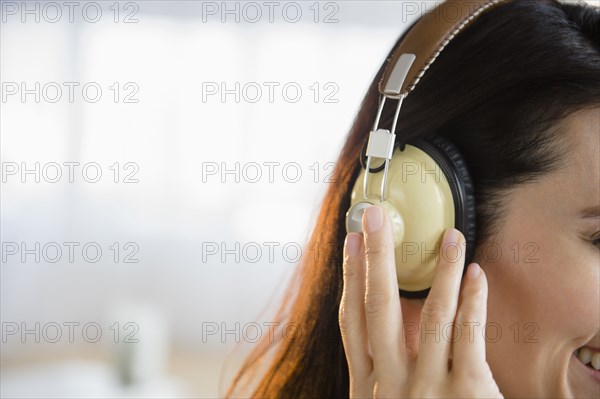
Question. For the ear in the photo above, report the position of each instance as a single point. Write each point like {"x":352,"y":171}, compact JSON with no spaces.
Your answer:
{"x":411,"y":316}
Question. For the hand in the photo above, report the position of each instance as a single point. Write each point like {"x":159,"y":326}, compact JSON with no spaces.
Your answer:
{"x":380,"y":364}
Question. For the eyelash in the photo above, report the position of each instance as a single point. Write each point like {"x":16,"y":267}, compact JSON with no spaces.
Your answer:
{"x":596,"y":242}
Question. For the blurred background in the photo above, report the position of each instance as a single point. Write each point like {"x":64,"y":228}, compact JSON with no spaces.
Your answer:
{"x":162,"y":165}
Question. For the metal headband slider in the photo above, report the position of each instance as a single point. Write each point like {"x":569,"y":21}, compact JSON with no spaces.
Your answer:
{"x":394,"y":83}
{"x":381,"y":144}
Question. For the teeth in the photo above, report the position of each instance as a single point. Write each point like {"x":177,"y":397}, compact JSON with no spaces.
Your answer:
{"x":589,"y":358}
{"x":585,"y":355}
{"x":596,"y":360}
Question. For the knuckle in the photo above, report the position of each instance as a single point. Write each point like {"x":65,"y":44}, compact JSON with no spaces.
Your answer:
{"x":451,"y":266}
{"x":349,"y":270}
{"x":376,"y":250}
{"x":475,"y":294}
{"x":467,"y":313}
{"x":377,"y":304}
{"x":472,"y":308}
{"x":348,"y":329}
{"x":347,"y":318}
{"x":435,"y":309}
{"x":467,"y":376}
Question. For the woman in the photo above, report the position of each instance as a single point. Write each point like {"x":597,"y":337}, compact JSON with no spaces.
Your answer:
{"x":518,"y":93}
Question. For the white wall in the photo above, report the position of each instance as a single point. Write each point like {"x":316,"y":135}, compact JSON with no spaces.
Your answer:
{"x":167,"y":137}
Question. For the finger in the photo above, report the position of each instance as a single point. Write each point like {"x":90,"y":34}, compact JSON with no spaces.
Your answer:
{"x":469,"y":348}
{"x":382,"y":303}
{"x":439,"y":309}
{"x":352,"y":313}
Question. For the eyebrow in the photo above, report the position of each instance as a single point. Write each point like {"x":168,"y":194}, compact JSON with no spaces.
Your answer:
{"x":591,"y":212}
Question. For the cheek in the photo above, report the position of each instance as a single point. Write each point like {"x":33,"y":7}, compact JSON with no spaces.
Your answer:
{"x":583,"y":287}
{"x":556,"y":286}
{"x":568,"y":281}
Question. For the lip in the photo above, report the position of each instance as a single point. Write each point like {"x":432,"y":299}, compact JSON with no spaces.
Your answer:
{"x":589,"y":370}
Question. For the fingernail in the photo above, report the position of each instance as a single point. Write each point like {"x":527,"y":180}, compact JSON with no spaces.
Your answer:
{"x":352,"y":244}
{"x":474,"y":271}
{"x":373,"y":218}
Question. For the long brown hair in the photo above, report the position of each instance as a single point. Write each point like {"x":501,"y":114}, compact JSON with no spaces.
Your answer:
{"x":498,"y":91}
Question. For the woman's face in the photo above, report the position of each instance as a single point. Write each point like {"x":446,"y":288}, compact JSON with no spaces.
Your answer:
{"x":543,"y":272}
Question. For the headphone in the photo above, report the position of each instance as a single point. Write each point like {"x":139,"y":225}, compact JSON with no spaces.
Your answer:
{"x":425,"y":187}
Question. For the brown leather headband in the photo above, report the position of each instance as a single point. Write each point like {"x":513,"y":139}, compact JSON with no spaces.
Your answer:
{"x":426,"y":39}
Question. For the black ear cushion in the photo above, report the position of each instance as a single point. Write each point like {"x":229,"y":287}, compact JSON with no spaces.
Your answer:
{"x":450,"y":160}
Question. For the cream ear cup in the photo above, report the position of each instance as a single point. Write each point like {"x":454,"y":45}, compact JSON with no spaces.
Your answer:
{"x":420,"y":203}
